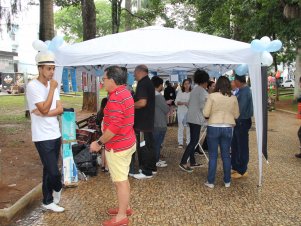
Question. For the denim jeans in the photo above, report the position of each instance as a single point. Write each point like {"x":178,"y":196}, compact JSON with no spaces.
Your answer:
{"x":240,"y":145}
{"x":158,"y":138}
{"x":49,"y":154}
{"x":146,"y":155}
{"x":181,"y":126}
{"x":219,"y":137}
{"x":194,"y":139}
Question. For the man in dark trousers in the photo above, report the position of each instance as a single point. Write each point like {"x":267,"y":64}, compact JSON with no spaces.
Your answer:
{"x":45,"y":105}
{"x":240,"y":140}
{"x":144,"y":124}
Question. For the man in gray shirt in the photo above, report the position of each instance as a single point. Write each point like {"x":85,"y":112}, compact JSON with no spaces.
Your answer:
{"x":240,"y":140}
{"x":160,"y":126}
{"x":195,"y":118}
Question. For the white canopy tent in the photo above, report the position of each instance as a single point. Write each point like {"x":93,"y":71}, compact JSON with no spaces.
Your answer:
{"x":165,"y":49}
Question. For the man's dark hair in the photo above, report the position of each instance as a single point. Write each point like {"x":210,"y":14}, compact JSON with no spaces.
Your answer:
{"x":200,"y":76}
{"x":157,"y":81}
{"x":210,"y":84}
{"x":117,"y":74}
{"x":167,"y":83}
{"x":142,"y":67}
{"x":223,"y":85}
{"x":182,"y":86}
{"x":124,"y":69}
{"x":241,"y":79}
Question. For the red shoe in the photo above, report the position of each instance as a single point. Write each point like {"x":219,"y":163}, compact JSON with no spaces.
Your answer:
{"x":298,"y":155}
{"x":112,"y":222}
{"x":114,"y":212}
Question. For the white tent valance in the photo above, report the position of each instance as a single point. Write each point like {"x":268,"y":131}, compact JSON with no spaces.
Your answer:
{"x":163,"y":48}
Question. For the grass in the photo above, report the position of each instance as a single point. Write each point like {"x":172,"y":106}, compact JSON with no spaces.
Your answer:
{"x":12,"y":108}
{"x":286,"y":97}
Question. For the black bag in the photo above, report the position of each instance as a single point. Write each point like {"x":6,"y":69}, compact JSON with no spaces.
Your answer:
{"x":88,"y":169}
{"x":86,"y":162}
{"x":77,"y":148}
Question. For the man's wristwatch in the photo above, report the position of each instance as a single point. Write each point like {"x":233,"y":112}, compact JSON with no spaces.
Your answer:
{"x":99,"y":142}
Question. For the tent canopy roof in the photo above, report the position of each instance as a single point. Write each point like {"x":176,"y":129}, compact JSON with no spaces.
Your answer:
{"x":168,"y":48}
{"x":158,"y":48}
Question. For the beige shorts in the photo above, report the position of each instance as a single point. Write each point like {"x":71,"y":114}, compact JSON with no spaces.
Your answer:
{"x":119,"y":163}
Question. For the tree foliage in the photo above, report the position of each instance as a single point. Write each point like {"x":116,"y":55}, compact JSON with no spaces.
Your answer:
{"x":70,"y":21}
{"x":8,"y":11}
{"x":247,"y":20}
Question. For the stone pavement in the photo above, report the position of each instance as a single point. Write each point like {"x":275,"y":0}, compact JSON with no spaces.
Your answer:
{"x":174,"y":197}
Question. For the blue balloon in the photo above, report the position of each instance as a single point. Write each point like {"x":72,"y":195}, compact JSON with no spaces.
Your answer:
{"x":241,"y":69}
{"x":55,"y":43}
{"x":47,"y":43}
{"x":274,"y":46}
{"x":258,"y":46}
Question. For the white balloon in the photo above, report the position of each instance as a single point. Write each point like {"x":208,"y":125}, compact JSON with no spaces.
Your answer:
{"x":39,"y":45}
{"x":266,"y":59}
{"x":265,"y":40}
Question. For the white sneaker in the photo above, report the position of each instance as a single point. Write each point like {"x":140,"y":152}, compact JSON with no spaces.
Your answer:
{"x":162,"y":161}
{"x":160,"y":164}
{"x":227,"y":185}
{"x":131,"y":174}
{"x":141,"y":176}
{"x":56,"y":196}
{"x":209,"y":185}
{"x":53,"y":207}
{"x":154,"y":172}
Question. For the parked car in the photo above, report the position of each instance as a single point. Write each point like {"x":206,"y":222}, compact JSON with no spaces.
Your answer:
{"x":288,"y":84}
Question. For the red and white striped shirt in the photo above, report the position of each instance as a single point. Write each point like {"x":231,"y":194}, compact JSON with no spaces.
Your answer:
{"x":119,"y":119}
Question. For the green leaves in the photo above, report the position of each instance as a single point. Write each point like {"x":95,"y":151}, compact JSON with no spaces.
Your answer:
{"x":69,"y":19}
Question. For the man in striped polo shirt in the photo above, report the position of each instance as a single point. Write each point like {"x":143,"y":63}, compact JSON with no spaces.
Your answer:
{"x":119,"y":140}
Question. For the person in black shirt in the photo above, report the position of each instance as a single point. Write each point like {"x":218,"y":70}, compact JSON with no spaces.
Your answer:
{"x":144,"y":98}
{"x":169,"y":92}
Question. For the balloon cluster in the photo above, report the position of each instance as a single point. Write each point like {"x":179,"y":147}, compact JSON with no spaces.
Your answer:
{"x":264,"y":46}
{"x":48,"y":46}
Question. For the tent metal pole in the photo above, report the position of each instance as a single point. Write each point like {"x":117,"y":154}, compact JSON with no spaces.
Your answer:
{"x":97,"y":93}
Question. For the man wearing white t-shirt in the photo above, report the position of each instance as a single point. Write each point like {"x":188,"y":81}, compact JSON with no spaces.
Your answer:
{"x":44,"y":106}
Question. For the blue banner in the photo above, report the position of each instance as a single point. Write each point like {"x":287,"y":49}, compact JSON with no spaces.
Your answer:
{"x":178,"y":76}
{"x":99,"y":71}
{"x":131,"y":78}
{"x":65,"y":80}
{"x":73,"y":79}
{"x":182,"y":75}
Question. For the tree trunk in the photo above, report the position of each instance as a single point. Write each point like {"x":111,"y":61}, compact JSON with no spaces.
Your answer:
{"x":116,"y":14}
{"x":114,"y":17}
{"x":89,"y":102}
{"x":1,"y":179}
{"x":46,"y":20}
{"x":89,"y":32}
{"x":89,"y":19}
{"x":297,"y":73}
{"x":291,"y":12}
{"x":128,"y":17}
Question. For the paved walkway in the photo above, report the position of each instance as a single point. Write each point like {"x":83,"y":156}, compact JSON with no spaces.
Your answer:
{"x":174,"y":197}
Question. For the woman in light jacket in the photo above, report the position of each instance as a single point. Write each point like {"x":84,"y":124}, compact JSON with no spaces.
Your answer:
{"x":222,"y":109}
{"x":182,"y":104}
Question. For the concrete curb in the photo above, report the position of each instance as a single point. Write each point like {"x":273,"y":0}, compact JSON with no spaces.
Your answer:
{"x":8,"y":213}
{"x":285,"y":111}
